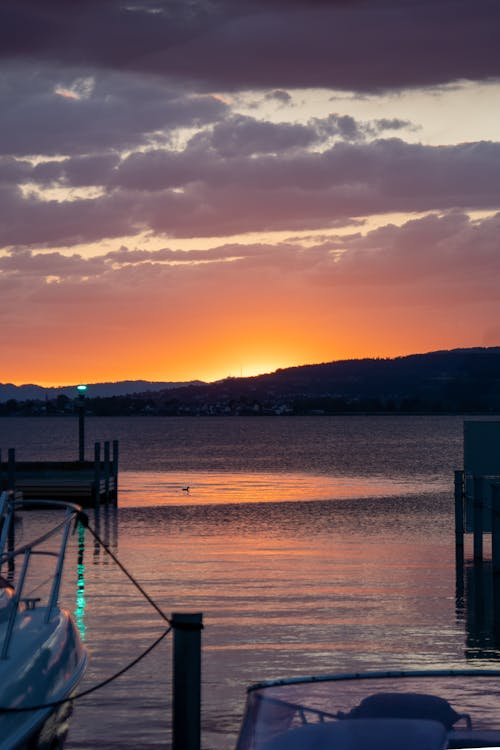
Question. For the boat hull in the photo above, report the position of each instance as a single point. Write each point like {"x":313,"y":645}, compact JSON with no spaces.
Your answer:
{"x":51,"y":735}
{"x":43,"y":666}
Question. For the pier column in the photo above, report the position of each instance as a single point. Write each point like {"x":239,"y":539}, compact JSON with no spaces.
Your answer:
{"x":115,"y":469}
{"x":107,"y":469}
{"x":459,"y":508}
{"x":186,"y":718}
{"x":11,"y":469}
{"x":81,"y":429}
{"x":11,"y":487}
{"x":80,"y":404}
{"x":97,"y":473}
{"x":495,"y":526}
{"x":478,"y":518}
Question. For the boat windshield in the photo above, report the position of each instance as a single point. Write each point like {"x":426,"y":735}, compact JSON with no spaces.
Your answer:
{"x":371,"y":711}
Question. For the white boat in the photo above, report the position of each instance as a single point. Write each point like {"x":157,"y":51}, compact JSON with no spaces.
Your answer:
{"x":414,"y":710}
{"x":42,"y":658}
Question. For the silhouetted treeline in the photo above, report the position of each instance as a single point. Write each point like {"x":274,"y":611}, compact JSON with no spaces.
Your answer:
{"x":459,"y":381}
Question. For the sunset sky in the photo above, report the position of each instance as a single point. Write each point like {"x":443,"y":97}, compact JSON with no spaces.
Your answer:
{"x":204,"y":188}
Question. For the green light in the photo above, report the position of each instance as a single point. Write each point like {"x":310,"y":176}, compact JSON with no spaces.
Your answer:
{"x":81,"y":388}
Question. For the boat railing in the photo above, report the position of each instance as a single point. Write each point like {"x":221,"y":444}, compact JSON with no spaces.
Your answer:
{"x":302,"y":711}
{"x":8,"y":507}
{"x":464,"y":701}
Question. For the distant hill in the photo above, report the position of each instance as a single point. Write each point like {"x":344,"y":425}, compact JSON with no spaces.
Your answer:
{"x":122,"y":388}
{"x":455,"y":380}
{"x":459,"y":380}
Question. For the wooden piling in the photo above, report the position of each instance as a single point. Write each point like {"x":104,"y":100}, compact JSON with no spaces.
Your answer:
{"x":459,"y":508}
{"x":11,"y":487}
{"x":11,"y":469}
{"x":107,"y":470}
{"x":495,"y":526}
{"x":115,"y":469}
{"x":81,"y":430}
{"x":97,"y":473}
{"x":186,"y":717}
{"x":478,"y":517}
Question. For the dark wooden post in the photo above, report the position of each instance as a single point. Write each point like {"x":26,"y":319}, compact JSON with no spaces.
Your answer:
{"x":97,"y":473}
{"x":478,"y":518}
{"x":81,"y":429}
{"x":496,"y":609}
{"x":11,"y":487}
{"x":459,"y":508}
{"x":11,"y":469}
{"x":186,"y":719}
{"x":495,"y":526}
{"x":106,"y":469}
{"x":115,"y":468}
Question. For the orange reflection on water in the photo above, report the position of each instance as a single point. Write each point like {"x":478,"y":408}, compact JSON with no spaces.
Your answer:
{"x":141,"y":489}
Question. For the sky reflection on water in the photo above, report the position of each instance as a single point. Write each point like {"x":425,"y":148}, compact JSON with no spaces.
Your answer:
{"x":285,"y":588}
{"x":168,"y":488}
{"x":312,"y":545}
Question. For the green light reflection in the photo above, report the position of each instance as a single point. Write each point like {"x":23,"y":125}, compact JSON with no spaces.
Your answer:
{"x":80,"y":586}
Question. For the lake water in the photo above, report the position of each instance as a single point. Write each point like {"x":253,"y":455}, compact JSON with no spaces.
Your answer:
{"x":310,"y":545}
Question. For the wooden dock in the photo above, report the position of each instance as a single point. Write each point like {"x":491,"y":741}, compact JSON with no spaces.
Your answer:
{"x":87,"y":483}
{"x":477,"y":489}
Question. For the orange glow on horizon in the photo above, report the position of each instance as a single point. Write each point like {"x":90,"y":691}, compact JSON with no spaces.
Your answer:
{"x":105,"y":372}
{"x":236,"y":322}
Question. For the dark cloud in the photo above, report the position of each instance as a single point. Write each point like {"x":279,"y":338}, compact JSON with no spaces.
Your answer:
{"x":283,"y":97}
{"x":79,"y":171}
{"x":198,"y":192}
{"x":119,"y":113}
{"x":52,"y":264}
{"x":362,"y":46}
{"x":57,"y":112}
{"x":344,"y":126}
{"x":13,"y":171}
{"x":27,"y":220}
{"x":245,"y":136}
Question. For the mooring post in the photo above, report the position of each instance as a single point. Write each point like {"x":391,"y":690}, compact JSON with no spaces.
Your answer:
{"x":495,"y":526}
{"x":106,"y":469}
{"x":81,"y":428}
{"x":97,"y":473}
{"x":115,"y":469}
{"x":478,"y":518}
{"x":459,"y":508}
{"x":186,"y":714}
{"x":11,"y":487}
{"x":11,"y":469}
{"x":496,"y":609}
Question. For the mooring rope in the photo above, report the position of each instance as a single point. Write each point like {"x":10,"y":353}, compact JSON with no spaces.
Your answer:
{"x":83,"y":519}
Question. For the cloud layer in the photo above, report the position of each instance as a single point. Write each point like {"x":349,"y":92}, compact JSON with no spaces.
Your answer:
{"x":357,"y":45}
{"x":142,"y":146}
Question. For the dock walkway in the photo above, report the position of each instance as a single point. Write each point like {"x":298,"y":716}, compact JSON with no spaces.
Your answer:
{"x":87,"y":483}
